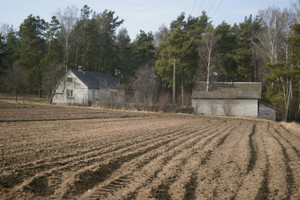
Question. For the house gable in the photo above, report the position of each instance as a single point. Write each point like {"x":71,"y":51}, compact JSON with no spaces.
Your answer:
{"x":71,"y":90}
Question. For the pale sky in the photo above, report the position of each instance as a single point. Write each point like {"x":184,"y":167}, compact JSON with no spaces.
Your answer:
{"x":146,"y":15}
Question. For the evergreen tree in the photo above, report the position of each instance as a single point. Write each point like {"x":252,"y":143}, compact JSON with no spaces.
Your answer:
{"x":54,"y":48}
{"x":227,"y":43}
{"x":181,"y":47}
{"x":107,"y":25}
{"x":246,"y":69}
{"x":294,"y":64}
{"x":32,"y":50}
{"x":84,"y":36}
{"x":2,"y":55}
{"x":52,"y":63}
{"x":143,"y":50}
{"x":2,"y":52}
{"x":195,"y":26}
{"x":9,"y":55}
{"x":124,"y":52}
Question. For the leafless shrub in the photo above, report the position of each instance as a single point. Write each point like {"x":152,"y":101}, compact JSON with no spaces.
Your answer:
{"x":52,"y":73}
{"x":144,"y":86}
{"x":164,"y":99}
{"x":13,"y":80}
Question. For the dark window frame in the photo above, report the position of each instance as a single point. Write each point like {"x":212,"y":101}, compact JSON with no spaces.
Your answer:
{"x":70,"y":94}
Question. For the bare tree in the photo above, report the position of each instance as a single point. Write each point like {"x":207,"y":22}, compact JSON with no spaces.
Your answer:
{"x":67,"y":20}
{"x":144,"y":86}
{"x":271,"y":44}
{"x":14,"y":79}
{"x":4,"y":30}
{"x":161,"y":36}
{"x":52,"y":73}
{"x":288,"y":18}
{"x":207,"y":50}
{"x":268,"y":41}
{"x":296,"y":8}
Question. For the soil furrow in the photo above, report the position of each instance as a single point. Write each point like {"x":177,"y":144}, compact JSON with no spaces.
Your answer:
{"x":175,"y":150}
{"x":170,"y":151}
{"x":179,"y":165}
{"x":291,"y":166}
{"x":51,"y":152}
{"x":113,"y":154}
{"x":139,"y":153}
{"x":215,"y":178}
{"x":253,"y":153}
{"x":72,"y":162}
{"x":258,"y":174}
{"x":277,"y":182}
{"x":287,"y":141}
{"x":129,"y":139}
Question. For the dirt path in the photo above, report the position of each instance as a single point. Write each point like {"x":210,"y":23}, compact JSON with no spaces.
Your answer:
{"x":50,"y":152}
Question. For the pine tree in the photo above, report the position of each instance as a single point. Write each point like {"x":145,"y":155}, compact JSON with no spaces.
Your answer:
{"x":32,"y":50}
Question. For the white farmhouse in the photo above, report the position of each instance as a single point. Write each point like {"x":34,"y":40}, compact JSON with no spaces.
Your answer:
{"x":231,"y":99}
{"x":84,"y":88}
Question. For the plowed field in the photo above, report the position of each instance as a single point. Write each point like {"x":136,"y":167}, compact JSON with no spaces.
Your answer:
{"x":52,"y":152}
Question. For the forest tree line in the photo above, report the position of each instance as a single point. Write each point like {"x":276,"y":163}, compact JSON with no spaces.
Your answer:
{"x":265,"y":48}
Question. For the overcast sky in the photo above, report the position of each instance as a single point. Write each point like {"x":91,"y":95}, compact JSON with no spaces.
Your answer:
{"x":146,"y":15}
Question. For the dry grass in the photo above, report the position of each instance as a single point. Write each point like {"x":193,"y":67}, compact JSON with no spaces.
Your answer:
{"x":293,"y":127}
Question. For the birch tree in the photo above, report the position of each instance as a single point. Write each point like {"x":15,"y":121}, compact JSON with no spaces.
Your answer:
{"x":280,"y":42}
{"x":296,"y":9}
{"x":67,"y":19}
{"x":268,"y":40}
{"x":161,"y":35}
{"x":207,"y":51}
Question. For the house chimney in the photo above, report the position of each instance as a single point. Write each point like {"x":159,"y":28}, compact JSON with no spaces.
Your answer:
{"x":80,"y":68}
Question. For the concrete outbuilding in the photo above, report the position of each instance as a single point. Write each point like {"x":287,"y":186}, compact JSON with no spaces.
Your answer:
{"x":240,"y":99}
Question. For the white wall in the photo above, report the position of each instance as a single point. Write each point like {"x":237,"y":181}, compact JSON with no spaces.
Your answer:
{"x":80,"y":91}
{"x":232,"y":107}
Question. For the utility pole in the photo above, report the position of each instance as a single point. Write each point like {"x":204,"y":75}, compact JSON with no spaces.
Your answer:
{"x":174,"y":68}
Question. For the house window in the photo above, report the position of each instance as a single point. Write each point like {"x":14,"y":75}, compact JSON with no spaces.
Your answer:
{"x":70,"y":94}
{"x":69,"y":79}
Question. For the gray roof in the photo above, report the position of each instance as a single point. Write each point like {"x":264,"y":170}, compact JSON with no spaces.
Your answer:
{"x":95,"y":80}
{"x":227,"y":90}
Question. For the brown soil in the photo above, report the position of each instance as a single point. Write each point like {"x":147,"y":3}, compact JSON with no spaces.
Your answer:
{"x":53,"y":152}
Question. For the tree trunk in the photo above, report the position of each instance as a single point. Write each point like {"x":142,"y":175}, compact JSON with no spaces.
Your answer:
{"x":76,"y":58}
{"x":182,"y":93}
{"x":16,"y":95}
{"x":288,"y":101}
{"x":208,"y":70}
{"x":67,"y":53}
